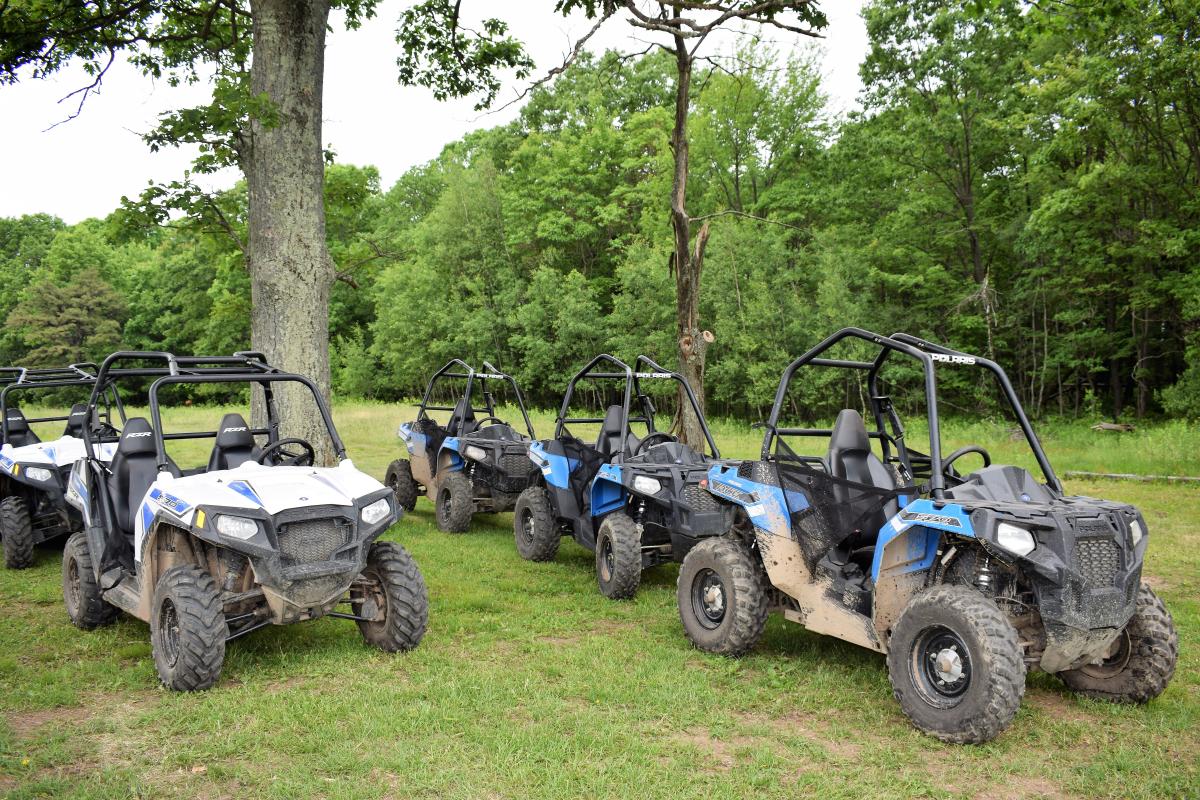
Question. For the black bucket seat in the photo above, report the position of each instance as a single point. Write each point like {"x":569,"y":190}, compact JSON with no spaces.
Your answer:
{"x":19,"y":432}
{"x":234,"y":444}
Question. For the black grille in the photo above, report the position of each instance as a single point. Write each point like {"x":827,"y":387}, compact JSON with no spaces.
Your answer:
{"x":700,"y":499}
{"x":516,"y":464}
{"x":1098,"y":560}
{"x":311,"y":541}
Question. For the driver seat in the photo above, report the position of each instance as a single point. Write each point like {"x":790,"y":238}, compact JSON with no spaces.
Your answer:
{"x":462,"y":419}
{"x":19,"y":432}
{"x":613,"y":436}
{"x":851,"y":459}
{"x":75,"y":420}
{"x":134,"y":467}
{"x":234,"y":444}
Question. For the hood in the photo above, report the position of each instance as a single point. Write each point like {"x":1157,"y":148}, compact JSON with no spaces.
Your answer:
{"x":274,"y":489}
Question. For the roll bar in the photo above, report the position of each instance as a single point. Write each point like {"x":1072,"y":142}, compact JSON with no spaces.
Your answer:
{"x":467,"y":372}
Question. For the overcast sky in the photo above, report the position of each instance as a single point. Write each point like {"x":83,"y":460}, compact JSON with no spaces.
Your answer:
{"x":81,"y":168}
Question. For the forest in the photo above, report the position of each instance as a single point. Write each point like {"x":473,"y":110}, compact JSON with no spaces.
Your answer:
{"x":1022,"y":181}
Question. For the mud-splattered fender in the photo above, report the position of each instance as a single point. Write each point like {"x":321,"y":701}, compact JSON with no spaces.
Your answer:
{"x":765,"y":505}
{"x":449,"y":458}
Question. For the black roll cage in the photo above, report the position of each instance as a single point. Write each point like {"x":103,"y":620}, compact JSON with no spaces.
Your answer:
{"x":927,"y":354}
{"x":467,"y":372}
{"x":24,"y":379}
{"x":241,"y":367}
{"x":644,"y":368}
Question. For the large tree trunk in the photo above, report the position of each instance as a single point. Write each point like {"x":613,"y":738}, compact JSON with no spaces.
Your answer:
{"x":291,"y":272}
{"x":692,"y":341}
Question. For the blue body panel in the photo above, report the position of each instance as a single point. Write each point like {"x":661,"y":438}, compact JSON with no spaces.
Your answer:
{"x":451,"y":445}
{"x":412,"y":439}
{"x":766,"y":505}
{"x":918,"y":528}
{"x":555,"y":469}
{"x":607,"y":492}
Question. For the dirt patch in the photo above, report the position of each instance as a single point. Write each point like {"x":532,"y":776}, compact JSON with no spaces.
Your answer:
{"x":26,"y":724}
{"x":720,"y":755}
{"x":809,"y":727}
{"x":1058,"y":706}
{"x":1022,"y":788}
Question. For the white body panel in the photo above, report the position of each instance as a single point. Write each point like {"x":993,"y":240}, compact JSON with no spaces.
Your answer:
{"x":60,"y":452}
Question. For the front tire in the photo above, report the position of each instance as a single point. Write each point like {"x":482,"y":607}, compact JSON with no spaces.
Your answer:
{"x":393,"y":585}
{"x":722,"y":598}
{"x":536,"y":535}
{"x":454,"y":502}
{"x":955,"y":665}
{"x":1143,"y":663}
{"x":86,"y":607}
{"x":618,"y":557}
{"x":16,"y":528}
{"x":400,"y":480}
{"x":187,"y":629}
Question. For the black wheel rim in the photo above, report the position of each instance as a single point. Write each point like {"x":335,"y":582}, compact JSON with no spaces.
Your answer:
{"x":1115,"y":663}
{"x":710,"y":601}
{"x":168,"y":631}
{"x":941,"y":666}
{"x":74,"y":593}
{"x":607,"y":560}
{"x":527,"y":525}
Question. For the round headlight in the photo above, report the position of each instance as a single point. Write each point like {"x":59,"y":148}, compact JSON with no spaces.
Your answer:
{"x":38,"y":474}
{"x":1014,"y":539}
{"x":236,"y":527}
{"x":376,"y":511}
{"x":646,"y":484}
{"x":474,"y":453}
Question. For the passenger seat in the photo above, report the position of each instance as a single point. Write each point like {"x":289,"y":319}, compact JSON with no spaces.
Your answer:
{"x":234,"y":444}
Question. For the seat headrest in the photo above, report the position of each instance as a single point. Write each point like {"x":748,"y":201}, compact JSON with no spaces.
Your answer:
{"x":75,"y":420}
{"x":234,"y":432}
{"x":849,"y":433}
{"x":16,"y":421}
{"x":137,"y":438}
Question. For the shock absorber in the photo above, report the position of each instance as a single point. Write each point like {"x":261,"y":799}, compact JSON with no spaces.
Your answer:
{"x":641,"y":511}
{"x":983,"y":575}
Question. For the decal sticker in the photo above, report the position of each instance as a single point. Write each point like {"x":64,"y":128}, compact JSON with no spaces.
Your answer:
{"x":945,"y":359}
{"x":170,"y":502}
{"x":935,"y":519}
{"x":244,"y":489}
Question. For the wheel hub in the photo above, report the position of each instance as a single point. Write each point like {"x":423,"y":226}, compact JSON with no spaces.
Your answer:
{"x":941,"y":666}
{"x":948,"y":665}
{"x":708,"y":598}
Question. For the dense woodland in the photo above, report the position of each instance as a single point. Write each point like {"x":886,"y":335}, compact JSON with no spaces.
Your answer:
{"x":1022,"y":181}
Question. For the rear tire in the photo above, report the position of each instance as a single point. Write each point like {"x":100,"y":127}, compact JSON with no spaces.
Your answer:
{"x":394,"y":584}
{"x":400,"y":480}
{"x":955,"y":665}
{"x":187,"y":629}
{"x":722,"y":597}
{"x":1144,"y":662}
{"x":536,"y":535}
{"x":86,"y":607}
{"x":618,"y":557}
{"x":455,"y":502}
{"x":16,"y":528}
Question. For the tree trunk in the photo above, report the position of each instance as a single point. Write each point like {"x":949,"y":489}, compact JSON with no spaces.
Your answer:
{"x":291,"y":272}
{"x":692,"y":341}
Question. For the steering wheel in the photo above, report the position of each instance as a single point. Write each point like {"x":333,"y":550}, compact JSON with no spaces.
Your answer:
{"x":657,"y":437}
{"x":960,"y":452}
{"x":490,"y":420}
{"x":287,"y":458}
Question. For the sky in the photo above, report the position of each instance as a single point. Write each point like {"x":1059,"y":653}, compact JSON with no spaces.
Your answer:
{"x":82,"y":167}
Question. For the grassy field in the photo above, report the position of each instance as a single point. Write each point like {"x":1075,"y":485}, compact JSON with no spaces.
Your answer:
{"x":530,"y":684}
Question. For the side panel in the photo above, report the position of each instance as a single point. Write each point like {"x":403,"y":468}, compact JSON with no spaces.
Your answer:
{"x":449,"y":459}
{"x":556,"y":469}
{"x":418,"y":453}
{"x":607,"y":492}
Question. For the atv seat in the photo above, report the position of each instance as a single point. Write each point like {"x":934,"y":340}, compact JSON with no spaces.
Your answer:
{"x":613,"y":437}
{"x":75,"y":420}
{"x":134,"y":467}
{"x":234,"y":444}
{"x":19,"y":432}
{"x":850,"y":459}
{"x":462,"y":419}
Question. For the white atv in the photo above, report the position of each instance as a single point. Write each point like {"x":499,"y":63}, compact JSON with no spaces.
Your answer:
{"x":33,"y":473}
{"x":257,"y":536}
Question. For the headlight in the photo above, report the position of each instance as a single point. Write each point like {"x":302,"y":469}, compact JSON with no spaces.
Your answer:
{"x":376,"y":511}
{"x":1135,"y":530}
{"x":646,"y":485}
{"x":1013,"y":539}
{"x":38,"y":474}
{"x":236,"y":527}
{"x":474,"y":453}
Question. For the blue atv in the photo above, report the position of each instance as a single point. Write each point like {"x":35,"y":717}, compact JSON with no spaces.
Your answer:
{"x":964,"y":579}
{"x":475,"y":461}
{"x":635,"y":501}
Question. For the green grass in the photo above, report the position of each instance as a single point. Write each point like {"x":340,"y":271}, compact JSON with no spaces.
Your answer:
{"x":530,"y":684}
